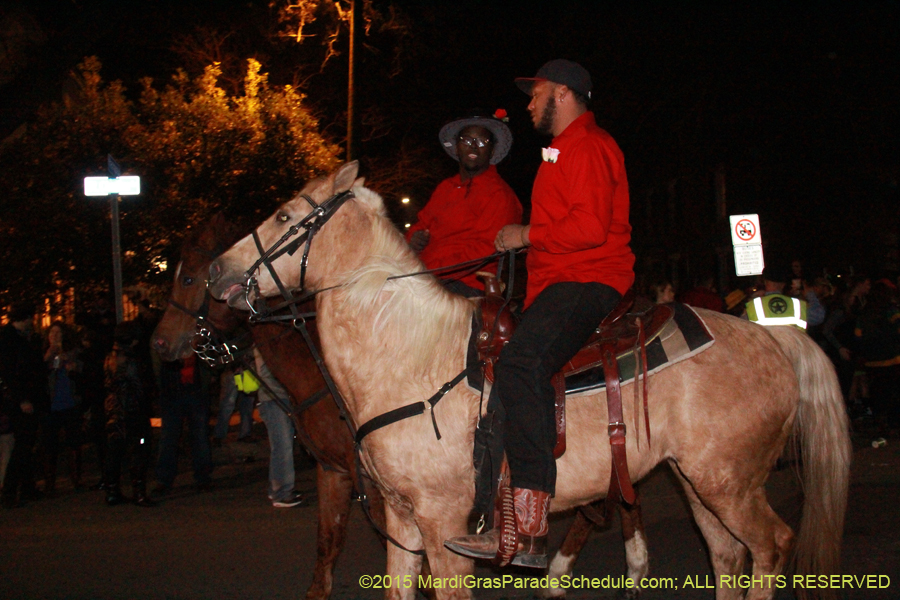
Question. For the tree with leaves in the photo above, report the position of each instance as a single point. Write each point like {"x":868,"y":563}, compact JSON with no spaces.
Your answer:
{"x":197,"y":149}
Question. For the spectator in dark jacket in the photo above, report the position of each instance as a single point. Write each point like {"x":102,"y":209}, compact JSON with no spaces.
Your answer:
{"x":64,"y":365}
{"x":22,"y":369}
{"x":129,"y":380}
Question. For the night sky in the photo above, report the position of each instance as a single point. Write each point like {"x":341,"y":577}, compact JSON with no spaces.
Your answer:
{"x":797,"y":104}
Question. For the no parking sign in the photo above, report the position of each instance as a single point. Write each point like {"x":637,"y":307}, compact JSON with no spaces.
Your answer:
{"x":747,"y":242}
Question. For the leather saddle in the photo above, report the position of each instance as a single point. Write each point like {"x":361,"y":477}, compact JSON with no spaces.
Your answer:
{"x":628,"y":328}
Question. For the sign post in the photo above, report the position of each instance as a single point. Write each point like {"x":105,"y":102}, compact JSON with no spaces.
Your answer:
{"x":747,"y":242}
{"x":113,"y":186}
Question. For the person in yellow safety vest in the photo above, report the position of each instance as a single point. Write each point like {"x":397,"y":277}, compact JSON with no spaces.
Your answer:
{"x":774,"y":308}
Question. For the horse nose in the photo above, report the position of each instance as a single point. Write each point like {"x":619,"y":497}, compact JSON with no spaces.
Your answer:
{"x":215,"y":271}
{"x":160,"y":345}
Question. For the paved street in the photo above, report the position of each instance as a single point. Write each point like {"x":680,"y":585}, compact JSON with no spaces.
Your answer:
{"x":230,"y":542}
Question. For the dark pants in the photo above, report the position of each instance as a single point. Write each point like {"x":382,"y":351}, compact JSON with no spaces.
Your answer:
{"x":68,"y":420}
{"x":131,"y":436}
{"x":96,"y":432}
{"x":191,"y":405}
{"x":551,"y":332}
{"x":20,"y":472}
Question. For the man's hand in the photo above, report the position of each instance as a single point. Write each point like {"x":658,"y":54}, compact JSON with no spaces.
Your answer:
{"x":419,"y":240}
{"x":511,"y":237}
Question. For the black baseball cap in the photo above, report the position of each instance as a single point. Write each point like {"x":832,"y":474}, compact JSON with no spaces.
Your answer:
{"x":562,"y":71}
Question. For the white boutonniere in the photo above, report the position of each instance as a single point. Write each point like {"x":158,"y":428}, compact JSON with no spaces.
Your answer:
{"x":549,"y":154}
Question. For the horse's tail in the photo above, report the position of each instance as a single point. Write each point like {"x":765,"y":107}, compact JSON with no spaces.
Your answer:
{"x":822,"y":428}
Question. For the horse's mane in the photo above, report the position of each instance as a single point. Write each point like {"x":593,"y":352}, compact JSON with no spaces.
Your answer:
{"x":411,"y":313}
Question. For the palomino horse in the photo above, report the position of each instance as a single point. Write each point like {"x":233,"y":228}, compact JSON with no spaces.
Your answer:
{"x":320,"y":429}
{"x":720,"y":418}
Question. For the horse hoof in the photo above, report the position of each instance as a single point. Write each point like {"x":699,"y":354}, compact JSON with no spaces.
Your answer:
{"x":631,"y":593}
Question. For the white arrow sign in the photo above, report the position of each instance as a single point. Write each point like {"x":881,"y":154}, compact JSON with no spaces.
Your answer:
{"x":104,"y":186}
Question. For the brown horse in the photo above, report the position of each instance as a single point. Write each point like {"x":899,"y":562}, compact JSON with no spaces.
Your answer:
{"x":320,"y":428}
{"x":719,"y":418}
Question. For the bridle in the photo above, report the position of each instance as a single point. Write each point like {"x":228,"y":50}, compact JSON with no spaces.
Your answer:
{"x":310,"y":224}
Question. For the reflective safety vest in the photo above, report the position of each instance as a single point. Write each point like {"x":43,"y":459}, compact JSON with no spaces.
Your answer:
{"x":246,"y":382}
{"x":777,"y":309}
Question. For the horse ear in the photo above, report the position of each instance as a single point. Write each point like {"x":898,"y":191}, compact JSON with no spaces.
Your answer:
{"x":344,"y":177}
{"x":360,"y":182}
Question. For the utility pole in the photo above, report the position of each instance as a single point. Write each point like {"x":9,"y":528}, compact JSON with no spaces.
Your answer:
{"x":356,"y":8}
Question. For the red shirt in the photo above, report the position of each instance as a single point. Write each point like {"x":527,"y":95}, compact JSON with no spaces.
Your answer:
{"x":701,"y":297}
{"x":464,"y":218}
{"x":579,"y":216}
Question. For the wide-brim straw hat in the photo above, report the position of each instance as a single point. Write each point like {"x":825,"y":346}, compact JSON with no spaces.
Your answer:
{"x":734,"y":298}
{"x":502,"y":135}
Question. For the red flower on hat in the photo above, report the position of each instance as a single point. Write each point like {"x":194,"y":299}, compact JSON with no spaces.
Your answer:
{"x":500,"y":113}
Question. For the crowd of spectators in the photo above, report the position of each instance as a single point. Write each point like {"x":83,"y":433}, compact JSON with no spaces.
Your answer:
{"x":854,"y":318}
{"x":96,"y":386}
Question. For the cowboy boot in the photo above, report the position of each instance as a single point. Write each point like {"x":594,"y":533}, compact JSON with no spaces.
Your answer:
{"x":521,"y":535}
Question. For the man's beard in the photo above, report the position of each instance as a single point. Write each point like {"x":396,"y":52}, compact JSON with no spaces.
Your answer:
{"x":545,"y":125}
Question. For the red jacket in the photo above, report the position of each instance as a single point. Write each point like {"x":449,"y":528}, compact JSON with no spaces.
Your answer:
{"x":464,"y":218}
{"x":579,"y":220}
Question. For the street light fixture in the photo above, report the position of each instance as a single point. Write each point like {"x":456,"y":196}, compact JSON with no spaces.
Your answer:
{"x":114,"y":186}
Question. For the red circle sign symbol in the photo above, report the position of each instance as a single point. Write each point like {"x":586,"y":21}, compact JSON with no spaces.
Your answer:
{"x":745,"y":230}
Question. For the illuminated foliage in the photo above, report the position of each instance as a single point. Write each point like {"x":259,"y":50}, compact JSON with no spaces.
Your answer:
{"x":197,"y":149}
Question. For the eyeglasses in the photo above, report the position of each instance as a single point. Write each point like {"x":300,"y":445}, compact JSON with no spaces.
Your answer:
{"x":473,"y":142}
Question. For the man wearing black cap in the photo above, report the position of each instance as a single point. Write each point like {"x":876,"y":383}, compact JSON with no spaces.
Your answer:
{"x":579,"y":266}
{"x":466,"y":211}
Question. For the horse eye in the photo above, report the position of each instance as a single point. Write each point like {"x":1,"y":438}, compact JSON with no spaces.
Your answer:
{"x":187,"y":281}
{"x":282,"y":217}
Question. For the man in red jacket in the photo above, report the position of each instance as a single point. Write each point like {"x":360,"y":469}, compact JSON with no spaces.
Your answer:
{"x":579,"y":266}
{"x":466,"y":211}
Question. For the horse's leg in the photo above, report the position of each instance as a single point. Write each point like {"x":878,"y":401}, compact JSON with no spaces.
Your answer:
{"x":751,"y":519}
{"x":403,"y":567}
{"x":564,"y":559}
{"x":447,"y":522}
{"x":727,"y":554}
{"x":637,"y":557}
{"x":748,"y":517}
{"x":335,"y":491}
{"x":636,"y":553}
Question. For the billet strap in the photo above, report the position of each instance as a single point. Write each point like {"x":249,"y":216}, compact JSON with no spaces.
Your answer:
{"x":640,"y":369}
{"x":619,"y":480}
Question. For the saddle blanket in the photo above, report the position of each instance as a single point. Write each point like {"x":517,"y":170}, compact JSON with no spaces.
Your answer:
{"x":686,"y":335}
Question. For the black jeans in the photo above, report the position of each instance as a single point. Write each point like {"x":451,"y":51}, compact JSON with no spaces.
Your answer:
{"x":130,"y":435}
{"x":551,"y":332}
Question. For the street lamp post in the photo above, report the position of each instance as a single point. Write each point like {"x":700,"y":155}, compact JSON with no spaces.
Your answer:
{"x":113,"y":186}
